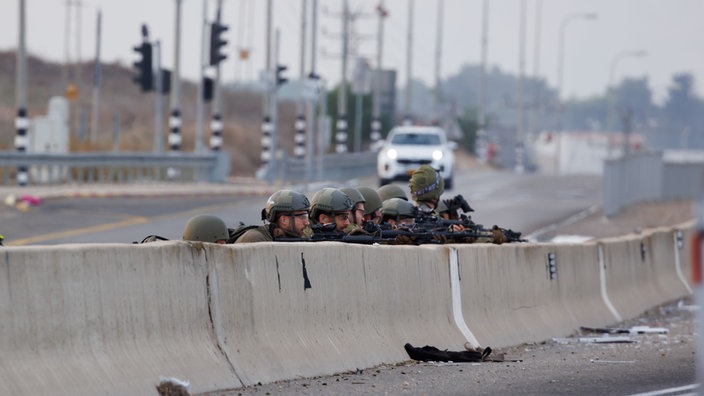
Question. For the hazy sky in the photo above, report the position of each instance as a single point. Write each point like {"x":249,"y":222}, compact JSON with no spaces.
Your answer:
{"x":671,"y":31}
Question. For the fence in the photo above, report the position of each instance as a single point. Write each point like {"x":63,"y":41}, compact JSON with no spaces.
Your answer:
{"x":113,"y":167}
{"x":651,"y":176}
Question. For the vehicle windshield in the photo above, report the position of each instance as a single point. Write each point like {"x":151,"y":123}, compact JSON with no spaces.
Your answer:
{"x":423,"y":139}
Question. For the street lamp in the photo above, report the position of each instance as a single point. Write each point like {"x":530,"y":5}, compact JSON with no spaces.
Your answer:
{"x":561,"y":49}
{"x":611,"y":112}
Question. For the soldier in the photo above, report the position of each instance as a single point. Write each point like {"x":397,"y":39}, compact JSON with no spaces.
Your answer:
{"x":331,"y":205}
{"x":398,"y":212}
{"x":206,"y":228}
{"x":372,"y":204}
{"x":426,"y":186}
{"x":358,"y":200}
{"x":388,"y":191}
{"x":286,"y":213}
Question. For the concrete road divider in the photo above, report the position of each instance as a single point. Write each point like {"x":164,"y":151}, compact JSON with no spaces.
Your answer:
{"x":303,"y":309}
{"x":641,"y":271}
{"x":113,"y":319}
{"x":524,"y":293}
{"x":106,"y":320}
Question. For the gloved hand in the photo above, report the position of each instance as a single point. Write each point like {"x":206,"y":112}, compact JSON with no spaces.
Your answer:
{"x":440,"y":238}
{"x":404,"y":240}
{"x":354,"y":229}
{"x":499,"y":236}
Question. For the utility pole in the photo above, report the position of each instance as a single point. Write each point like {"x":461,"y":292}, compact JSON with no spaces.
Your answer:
{"x":536,"y":66}
{"x":200,"y":102}
{"x":341,"y":124}
{"x":481,"y":144}
{"x":300,"y":124}
{"x":21,"y":122}
{"x":520,"y":154}
{"x":268,"y":77}
{"x":408,"y":118}
{"x":310,"y":105}
{"x":96,"y":81}
{"x":175,"y":119}
{"x":158,"y":89}
{"x":438,"y":57}
{"x":376,"y":110}
{"x":274,"y":109}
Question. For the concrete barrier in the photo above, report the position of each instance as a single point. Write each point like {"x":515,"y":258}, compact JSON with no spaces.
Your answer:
{"x":112,"y":319}
{"x":305,"y":309}
{"x":641,"y":271}
{"x":106,"y":319}
{"x":508,"y":296}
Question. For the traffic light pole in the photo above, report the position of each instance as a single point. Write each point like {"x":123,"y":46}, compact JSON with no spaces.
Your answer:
{"x":274,"y":111}
{"x":376,"y":110}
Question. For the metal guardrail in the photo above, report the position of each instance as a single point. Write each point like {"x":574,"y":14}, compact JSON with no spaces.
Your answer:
{"x":112,"y":167}
{"x":338,"y":167}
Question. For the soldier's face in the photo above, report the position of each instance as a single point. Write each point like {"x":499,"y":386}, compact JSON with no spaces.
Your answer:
{"x":358,"y":213}
{"x":300,"y":222}
{"x":342,"y":220}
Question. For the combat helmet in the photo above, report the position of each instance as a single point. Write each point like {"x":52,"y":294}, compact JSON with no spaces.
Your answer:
{"x":329,"y":200}
{"x":426,"y":183}
{"x":205,"y":228}
{"x":397,"y":208}
{"x":284,"y":201}
{"x":372,"y":200}
{"x":389,"y":191}
{"x":354,"y":195}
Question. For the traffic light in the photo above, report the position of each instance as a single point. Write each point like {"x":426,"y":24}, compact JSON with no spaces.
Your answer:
{"x":217,"y":43}
{"x":280,"y":80}
{"x":145,"y":77}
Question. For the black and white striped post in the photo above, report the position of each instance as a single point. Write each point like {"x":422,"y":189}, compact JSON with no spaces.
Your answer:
{"x":21,"y":122}
{"x":216,"y":137}
{"x":174,"y":141}
{"x":21,"y":142}
{"x":341,"y":134}
{"x":376,"y":131}
{"x":267,"y":129}
{"x":300,"y":138}
{"x":175,"y":134}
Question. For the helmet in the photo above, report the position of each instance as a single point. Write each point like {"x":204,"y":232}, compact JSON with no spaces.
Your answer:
{"x":329,"y":200}
{"x":284,"y":201}
{"x":205,"y":228}
{"x":396,"y":208}
{"x":426,"y":183}
{"x":391,"y":191}
{"x":354,"y":195}
{"x":372,"y":200}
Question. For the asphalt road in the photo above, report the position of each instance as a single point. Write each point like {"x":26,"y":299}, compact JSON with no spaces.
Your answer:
{"x":520,"y":202}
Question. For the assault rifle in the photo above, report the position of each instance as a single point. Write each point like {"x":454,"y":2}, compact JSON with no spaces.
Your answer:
{"x":383,"y":234}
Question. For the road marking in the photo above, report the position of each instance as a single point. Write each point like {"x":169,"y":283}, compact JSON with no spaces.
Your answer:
{"x":670,"y":391}
{"x":77,"y":231}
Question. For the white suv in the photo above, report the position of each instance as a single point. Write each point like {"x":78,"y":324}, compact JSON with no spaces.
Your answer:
{"x":408,"y":147}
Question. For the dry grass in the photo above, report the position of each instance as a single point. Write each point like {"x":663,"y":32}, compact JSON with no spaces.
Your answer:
{"x":120,"y":96}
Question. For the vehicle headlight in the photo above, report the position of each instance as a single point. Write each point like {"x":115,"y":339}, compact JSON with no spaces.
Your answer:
{"x":391,"y":153}
{"x":437,"y":155}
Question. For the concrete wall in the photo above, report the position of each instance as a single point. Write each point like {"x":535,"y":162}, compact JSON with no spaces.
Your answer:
{"x":112,"y":319}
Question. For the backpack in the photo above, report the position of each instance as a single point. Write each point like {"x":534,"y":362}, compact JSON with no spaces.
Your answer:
{"x":235,"y":233}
